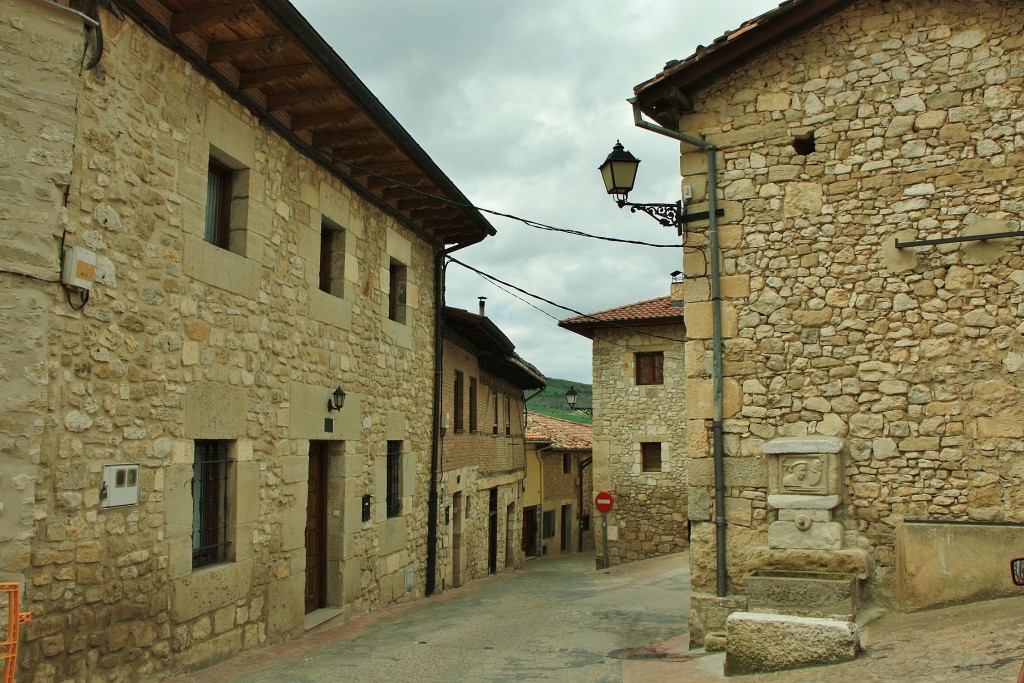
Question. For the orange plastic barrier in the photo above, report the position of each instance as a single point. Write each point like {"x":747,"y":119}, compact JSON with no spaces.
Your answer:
{"x":9,"y":595}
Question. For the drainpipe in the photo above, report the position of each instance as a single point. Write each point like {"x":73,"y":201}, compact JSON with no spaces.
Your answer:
{"x":584,"y":463}
{"x":435,"y":457}
{"x":718,"y":445}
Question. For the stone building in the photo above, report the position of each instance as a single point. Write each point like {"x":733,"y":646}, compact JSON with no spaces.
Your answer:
{"x":482,"y":453}
{"x":558,"y":502}
{"x":872,"y":343}
{"x":175,"y":486}
{"x":639,"y":425}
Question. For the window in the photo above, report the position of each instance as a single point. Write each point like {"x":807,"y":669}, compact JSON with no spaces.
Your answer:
{"x":549,"y":524}
{"x":650,"y":368}
{"x":508,"y":416}
{"x":494,"y":425}
{"x":219,"y":183}
{"x":650,"y":456}
{"x":566,"y":463}
{"x":397,"y":291}
{"x":457,"y":405}
{"x":210,"y":472}
{"x":472,"y":404}
{"x":394,"y":476}
{"x":332,"y":258}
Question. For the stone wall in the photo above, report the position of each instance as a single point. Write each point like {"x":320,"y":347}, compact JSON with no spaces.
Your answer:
{"x":650,"y":513}
{"x":911,"y":356}
{"x":183,"y":341}
{"x":41,"y":49}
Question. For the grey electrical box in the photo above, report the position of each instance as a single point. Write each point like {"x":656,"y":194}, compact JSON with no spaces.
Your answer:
{"x":120,"y":485}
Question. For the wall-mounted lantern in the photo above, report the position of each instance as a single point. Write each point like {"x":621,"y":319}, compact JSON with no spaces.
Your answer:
{"x":337,"y":400}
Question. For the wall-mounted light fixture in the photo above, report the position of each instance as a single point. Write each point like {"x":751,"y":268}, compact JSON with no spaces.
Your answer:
{"x":337,"y":400}
{"x":571,"y":397}
{"x":619,"y":173}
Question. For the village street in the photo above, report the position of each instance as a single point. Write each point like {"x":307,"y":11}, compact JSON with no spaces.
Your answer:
{"x":560,"y":620}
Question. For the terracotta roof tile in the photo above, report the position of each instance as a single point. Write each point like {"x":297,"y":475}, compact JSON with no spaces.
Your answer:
{"x":652,"y":311}
{"x":561,"y":434}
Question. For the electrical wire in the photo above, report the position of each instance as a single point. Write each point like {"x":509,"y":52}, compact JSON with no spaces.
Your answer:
{"x":611,"y":323}
{"x":525,"y":221}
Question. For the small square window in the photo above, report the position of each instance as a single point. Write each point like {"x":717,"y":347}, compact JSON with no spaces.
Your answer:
{"x":219,"y":182}
{"x":332,"y":258}
{"x":566,"y":463}
{"x":650,"y":367}
{"x":650,"y":456}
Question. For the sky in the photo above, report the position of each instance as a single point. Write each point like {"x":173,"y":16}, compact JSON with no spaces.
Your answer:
{"x":518,"y":103}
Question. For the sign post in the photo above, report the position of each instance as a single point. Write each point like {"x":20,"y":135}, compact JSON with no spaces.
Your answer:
{"x":603,"y":501}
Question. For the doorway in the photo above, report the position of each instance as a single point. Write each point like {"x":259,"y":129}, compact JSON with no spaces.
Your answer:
{"x":566,"y":537}
{"x":492,"y":533}
{"x":457,"y":539}
{"x":530,"y":531}
{"x":316,"y":528}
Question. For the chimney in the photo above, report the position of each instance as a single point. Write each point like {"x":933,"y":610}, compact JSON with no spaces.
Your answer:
{"x":483,"y":301}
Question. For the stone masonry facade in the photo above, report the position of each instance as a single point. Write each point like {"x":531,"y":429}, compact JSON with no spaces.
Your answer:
{"x":910,"y":360}
{"x":649,"y":517}
{"x":180,"y":342}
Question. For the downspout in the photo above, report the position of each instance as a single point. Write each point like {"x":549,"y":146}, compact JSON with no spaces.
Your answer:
{"x":718,"y":445}
{"x":435,"y":456}
{"x":579,"y":510}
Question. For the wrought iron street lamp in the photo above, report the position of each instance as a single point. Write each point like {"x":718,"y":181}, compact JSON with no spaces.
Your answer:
{"x":619,"y":174}
{"x":337,"y":400}
{"x":571,"y":397}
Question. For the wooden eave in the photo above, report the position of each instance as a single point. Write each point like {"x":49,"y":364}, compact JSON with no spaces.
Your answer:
{"x":669,"y":94}
{"x":268,"y":57}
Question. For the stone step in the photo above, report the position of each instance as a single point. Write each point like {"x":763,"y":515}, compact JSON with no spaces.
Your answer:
{"x":770,"y":642}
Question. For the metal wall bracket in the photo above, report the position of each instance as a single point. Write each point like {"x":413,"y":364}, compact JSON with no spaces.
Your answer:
{"x":955,"y":240}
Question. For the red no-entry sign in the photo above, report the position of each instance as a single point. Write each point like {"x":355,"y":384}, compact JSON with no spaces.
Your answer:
{"x":603,"y":501}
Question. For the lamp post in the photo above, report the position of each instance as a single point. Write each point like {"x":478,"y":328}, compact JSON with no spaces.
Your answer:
{"x":619,"y":174}
{"x":571,"y":397}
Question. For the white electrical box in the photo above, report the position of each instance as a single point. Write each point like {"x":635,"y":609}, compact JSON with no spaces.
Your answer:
{"x":79,"y":268}
{"x":120,"y":485}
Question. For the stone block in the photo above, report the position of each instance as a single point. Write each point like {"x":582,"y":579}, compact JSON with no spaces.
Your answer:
{"x":845,"y":561}
{"x":700,"y":398}
{"x":208,"y":589}
{"x":308,"y":408}
{"x":215,"y":411}
{"x":220,"y":268}
{"x":739,"y":472}
{"x":285,"y":606}
{"x":816,"y":536}
{"x":797,"y":502}
{"x":805,"y":594}
{"x":760,"y":643}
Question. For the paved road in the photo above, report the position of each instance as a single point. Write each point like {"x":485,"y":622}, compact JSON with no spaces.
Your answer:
{"x":557,"y":620}
{"x":560,"y":620}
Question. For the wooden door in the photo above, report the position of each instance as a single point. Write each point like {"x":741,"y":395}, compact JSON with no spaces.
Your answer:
{"x":316,"y":528}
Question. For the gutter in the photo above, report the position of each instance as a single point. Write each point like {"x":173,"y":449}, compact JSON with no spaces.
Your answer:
{"x":718,"y":445}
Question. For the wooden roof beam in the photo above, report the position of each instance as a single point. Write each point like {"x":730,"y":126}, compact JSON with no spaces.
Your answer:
{"x":344,"y":138}
{"x":195,"y":20}
{"x":253,"y":79}
{"x":302,"y":122}
{"x":279,"y":101}
{"x":224,"y":52}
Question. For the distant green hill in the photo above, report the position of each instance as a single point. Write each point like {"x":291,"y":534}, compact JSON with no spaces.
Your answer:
{"x":552,"y":401}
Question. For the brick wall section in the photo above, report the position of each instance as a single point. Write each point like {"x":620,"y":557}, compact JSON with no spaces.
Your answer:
{"x":650,"y":513}
{"x":181,"y":341}
{"x":472,"y":463}
{"x":913,"y":356}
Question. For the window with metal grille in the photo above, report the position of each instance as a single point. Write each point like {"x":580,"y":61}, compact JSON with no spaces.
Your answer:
{"x":394,"y":475}
{"x":398,"y":284}
{"x":650,"y":456}
{"x":218,"y":204}
{"x":472,"y":404}
{"x":210,"y":503}
{"x":650,"y":367}
{"x":457,"y":404}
